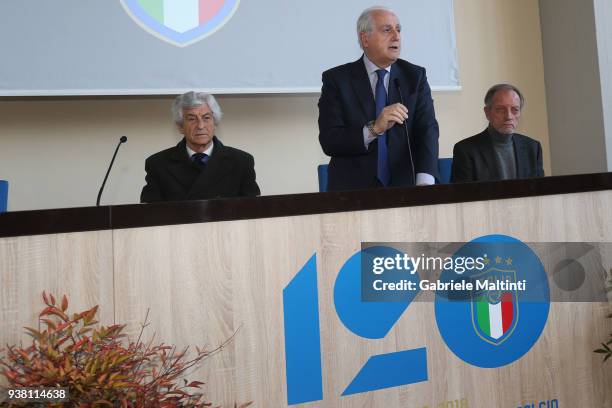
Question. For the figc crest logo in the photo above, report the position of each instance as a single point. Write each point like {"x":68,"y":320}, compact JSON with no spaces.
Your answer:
{"x":495,"y":313}
{"x":181,"y":23}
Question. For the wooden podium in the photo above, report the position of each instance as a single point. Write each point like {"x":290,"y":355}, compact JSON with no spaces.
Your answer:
{"x":207,"y":269}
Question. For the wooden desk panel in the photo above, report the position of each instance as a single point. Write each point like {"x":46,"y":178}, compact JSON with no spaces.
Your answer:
{"x":203,"y":281}
{"x":79,"y":265}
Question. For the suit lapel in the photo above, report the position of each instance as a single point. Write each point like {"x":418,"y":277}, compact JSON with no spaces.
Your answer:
{"x":217,"y":167}
{"x":363,"y":89}
{"x":392,"y":91}
{"x":488,"y":155}
{"x":406,"y":84}
{"x":181,"y":167}
{"x":519,"y":155}
{"x":397,"y":135}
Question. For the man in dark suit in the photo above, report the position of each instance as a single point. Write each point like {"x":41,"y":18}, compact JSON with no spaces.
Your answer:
{"x":498,"y":153}
{"x":362,"y":116}
{"x":199,"y":167}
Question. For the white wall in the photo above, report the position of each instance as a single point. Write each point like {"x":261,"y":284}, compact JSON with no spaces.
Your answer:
{"x":603,"y":25}
{"x":573,"y":86}
{"x":55,"y":152}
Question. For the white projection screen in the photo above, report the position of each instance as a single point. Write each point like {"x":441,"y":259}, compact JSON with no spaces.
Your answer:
{"x":158,"y":47}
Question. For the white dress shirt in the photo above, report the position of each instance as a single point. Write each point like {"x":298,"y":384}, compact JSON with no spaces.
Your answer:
{"x":207,"y":152}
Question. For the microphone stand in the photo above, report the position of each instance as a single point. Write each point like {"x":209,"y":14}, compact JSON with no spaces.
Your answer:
{"x":399,"y":91}
{"x":122,"y":140}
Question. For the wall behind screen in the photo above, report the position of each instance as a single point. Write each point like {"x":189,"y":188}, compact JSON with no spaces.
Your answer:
{"x":55,"y":151}
{"x":92,"y":47}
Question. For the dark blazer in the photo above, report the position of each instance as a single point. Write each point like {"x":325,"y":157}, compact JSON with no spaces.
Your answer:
{"x":347,"y":104}
{"x":474,"y":158}
{"x":172,"y":176}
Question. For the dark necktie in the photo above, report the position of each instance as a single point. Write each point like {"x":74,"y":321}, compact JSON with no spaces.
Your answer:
{"x":381,"y":101}
{"x":200,"y":158}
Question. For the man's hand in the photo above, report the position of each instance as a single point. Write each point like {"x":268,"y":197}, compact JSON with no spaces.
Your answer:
{"x":390,"y":115}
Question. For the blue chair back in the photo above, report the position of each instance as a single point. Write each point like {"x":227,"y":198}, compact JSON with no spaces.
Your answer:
{"x":444,"y":168}
{"x":322,"y":172}
{"x":3,"y":195}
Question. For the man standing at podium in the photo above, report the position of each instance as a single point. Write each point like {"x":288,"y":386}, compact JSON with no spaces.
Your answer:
{"x":498,"y":152}
{"x":199,"y":167}
{"x":376,"y":115}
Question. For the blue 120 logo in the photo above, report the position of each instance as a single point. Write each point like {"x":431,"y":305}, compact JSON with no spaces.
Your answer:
{"x":473,"y":329}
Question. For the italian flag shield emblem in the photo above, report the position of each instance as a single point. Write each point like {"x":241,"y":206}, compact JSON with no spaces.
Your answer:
{"x":495,"y":312}
{"x":181,"y":22}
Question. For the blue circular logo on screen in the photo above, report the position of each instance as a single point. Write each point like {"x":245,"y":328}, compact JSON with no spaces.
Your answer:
{"x":502,"y":316}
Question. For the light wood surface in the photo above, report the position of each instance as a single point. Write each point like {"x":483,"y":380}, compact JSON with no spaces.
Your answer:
{"x":203,"y":282}
{"x":78,"y":265}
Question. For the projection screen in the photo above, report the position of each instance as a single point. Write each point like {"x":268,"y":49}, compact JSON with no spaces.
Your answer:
{"x":158,"y":47}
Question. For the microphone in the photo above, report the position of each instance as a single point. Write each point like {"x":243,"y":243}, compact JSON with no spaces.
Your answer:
{"x":122,"y":140}
{"x":399,"y":91}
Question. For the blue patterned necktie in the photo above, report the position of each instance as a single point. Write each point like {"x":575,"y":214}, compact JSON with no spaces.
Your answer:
{"x":200,"y":158}
{"x":381,"y":101}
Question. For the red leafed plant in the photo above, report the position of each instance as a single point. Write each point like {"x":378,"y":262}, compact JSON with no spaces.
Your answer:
{"x":99,"y":366}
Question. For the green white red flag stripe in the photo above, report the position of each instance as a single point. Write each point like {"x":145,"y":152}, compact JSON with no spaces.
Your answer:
{"x":495,"y":319}
{"x":182,"y":15}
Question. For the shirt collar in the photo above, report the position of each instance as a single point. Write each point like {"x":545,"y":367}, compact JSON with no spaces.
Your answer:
{"x":372,"y":67}
{"x":207,"y":152}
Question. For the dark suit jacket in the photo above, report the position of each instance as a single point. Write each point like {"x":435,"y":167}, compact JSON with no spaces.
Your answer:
{"x":172,"y":176}
{"x":474,"y":158}
{"x":347,"y":104}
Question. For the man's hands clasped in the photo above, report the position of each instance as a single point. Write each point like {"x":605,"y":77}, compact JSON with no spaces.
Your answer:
{"x":389,"y":116}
